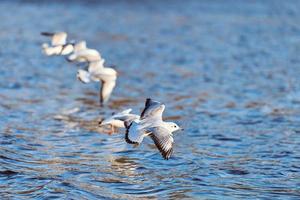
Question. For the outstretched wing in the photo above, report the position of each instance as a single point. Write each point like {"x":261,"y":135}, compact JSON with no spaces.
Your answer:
{"x":122,"y":116}
{"x":59,"y":39}
{"x":106,"y":90}
{"x":133,"y":134}
{"x":163,"y":140}
{"x":127,"y":118}
{"x":153,"y":109}
{"x":127,"y":111}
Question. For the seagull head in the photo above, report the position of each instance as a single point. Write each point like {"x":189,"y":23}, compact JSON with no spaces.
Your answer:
{"x":173,"y":127}
{"x":105,"y":122}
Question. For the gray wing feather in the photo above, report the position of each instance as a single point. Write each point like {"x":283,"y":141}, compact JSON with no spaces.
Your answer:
{"x":133,"y":133}
{"x":163,"y":140}
{"x":153,"y":109}
{"x":128,"y":118}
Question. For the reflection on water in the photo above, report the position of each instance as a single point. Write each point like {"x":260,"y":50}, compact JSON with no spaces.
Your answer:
{"x":228,"y":73}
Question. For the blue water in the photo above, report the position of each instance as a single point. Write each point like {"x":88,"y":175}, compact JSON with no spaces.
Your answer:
{"x":228,"y":72}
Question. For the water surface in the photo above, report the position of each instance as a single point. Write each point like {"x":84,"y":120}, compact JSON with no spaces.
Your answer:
{"x":228,"y":72}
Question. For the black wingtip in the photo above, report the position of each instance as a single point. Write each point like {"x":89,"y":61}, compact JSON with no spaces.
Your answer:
{"x":167,"y":155}
{"x":147,"y":104}
{"x":127,"y":132}
{"x":148,"y":100}
{"x":127,"y":124}
{"x":47,"y":34}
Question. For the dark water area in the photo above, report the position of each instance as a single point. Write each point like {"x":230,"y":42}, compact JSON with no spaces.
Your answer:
{"x":228,"y":72}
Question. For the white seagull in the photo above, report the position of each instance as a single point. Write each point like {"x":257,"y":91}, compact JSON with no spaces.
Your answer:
{"x":59,"y":44}
{"x":97,"y":72}
{"x":117,"y":120}
{"x":151,"y":124}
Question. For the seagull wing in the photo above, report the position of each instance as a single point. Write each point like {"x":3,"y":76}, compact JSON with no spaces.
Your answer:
{"x":123,"y":113}
{"x":127,"y":111}
{"x":107,"y":87}
{"x":163,"y":140}
{"x":83,"y":76}
{"x":127,"y":118}
{"x":79,"y":46}
{"x":59,"y":39}
{"x":121,"y":116}
{"x":153,"y":110}
{"x":134,"y":134}
{"x":66,"y":49}
{"x":89,"y":55}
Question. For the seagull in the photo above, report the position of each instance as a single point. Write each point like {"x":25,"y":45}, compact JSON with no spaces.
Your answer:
{"x":151,"y":124}
{"x":117,"y":120}
{"x":59,"y":44}
{"x":98,"y":73}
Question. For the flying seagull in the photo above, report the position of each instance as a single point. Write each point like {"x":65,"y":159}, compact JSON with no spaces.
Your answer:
{"x":98,"y":73}
{"x":151,"y":124}
{"x":59,"y":44}
{"x":117,"y":120}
